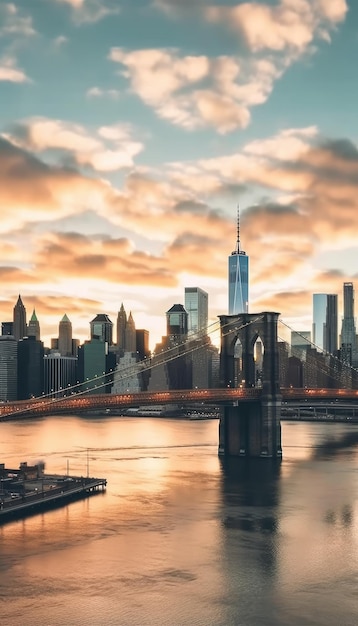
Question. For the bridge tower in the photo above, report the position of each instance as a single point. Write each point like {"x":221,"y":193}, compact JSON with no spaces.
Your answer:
{"x":251,"y":428}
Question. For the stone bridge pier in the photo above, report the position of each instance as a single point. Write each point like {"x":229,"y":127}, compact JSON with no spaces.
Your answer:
{"x":250,"y":428}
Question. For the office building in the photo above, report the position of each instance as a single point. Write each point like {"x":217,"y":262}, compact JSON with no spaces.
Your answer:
{"x":121,"y":330}
{"x":65,"y":347}
{"x":101,"y":328}
{"x":177,"y":323}
{"x":300,"y":341}
{"x":142,"y":343}
{"x":19,"y":326}
{"x":325,"y":322}
{"x":196,"y":306}
{"x":8,"y":368}
{"x":60,"y":374}
{"x":238,"y":270}
{"x":30,"y":378}
{"x":7,"y":328}
{"x":94,"y":366}
{"x":348,"y":332}
{"x":130,"y":343}
{"x":33,"y":329}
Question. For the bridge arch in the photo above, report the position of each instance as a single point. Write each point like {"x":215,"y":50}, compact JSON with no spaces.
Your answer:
{"x":253,"y":428}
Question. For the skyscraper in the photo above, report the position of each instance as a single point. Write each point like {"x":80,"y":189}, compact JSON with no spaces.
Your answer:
{"x":8,"y":368}
{"x":65,"y":337}
{"x":33,"y":329}
{"x":325,"y":322}
{"x":238,"y":269}
{"x":121,"y":330}
{"x":101,"y":328}
{"x":196,"y":305}
{"x":348,"y":333}
{"x":19,"y":327}
{"x":177,"y":322}
{"x":130,"y":336}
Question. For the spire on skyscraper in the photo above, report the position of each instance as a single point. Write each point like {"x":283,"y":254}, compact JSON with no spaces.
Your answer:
{"x":20,"y":329}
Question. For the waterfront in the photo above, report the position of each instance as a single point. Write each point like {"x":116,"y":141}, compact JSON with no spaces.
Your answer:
{"x":180,"y":538}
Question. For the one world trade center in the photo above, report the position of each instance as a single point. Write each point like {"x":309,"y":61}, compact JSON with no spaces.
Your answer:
{"x":238,"y":266}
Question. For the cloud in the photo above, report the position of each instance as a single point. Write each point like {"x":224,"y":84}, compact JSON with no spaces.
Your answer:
{"x":60,"y":41}
{"x":91,"y":11}
{"x":97,"y":92}
{"x":32,"y":191}
{"x":197,"y":91}
{"x":285,"y":25}
{"x":14,"y":24}
{"x":102,"y":153}
{"x":9,"y":72}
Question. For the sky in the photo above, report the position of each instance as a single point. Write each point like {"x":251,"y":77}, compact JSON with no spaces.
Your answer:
{"x":130,"y":130}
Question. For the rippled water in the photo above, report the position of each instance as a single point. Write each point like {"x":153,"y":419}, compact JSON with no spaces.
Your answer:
{"x":181,"y":538}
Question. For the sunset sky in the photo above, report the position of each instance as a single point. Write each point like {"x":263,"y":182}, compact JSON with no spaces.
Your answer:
{"x":130,"y":131}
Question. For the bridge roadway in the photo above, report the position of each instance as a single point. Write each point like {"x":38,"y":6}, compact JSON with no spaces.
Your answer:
{"x":87,"y":402}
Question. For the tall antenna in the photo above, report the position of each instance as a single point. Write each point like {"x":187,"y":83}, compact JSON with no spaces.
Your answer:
{"x":238,"y":229}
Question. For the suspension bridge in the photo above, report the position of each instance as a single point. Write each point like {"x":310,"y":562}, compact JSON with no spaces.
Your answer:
{"x":250,"y":420}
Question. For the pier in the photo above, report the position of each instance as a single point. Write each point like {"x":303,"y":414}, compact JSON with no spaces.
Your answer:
{"x":28,"y":490}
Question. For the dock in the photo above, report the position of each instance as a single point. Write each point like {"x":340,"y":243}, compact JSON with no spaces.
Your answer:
{"x":23,"y":494}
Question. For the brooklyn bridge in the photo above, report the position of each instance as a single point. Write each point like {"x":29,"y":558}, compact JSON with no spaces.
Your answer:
{"x":251,"y":412}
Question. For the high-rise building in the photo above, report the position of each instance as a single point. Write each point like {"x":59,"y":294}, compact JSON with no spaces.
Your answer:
{"x":196,"y":305}
{"x":101,"y":328}
{"x":65,"y":337}
{"x":238,"y":269}
{"x":7,"y":328}
{"x":30,"y":379}
{"x":92,"y":365}
{"x":8,"y":368}
{"x":325,"y":322}
{"x":33,"y":329}
{"x":142,"y":343}
{"x":300,"y":342}
{"x":121,"y":330}
{"x":19,"y":328}
{"x":60,"y":374}
{"x":348,"y":332}
{"x":130,"y":344}
{"x":177,"y":322}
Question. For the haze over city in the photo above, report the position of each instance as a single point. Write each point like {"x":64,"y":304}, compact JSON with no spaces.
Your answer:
{"x":130,"y":131}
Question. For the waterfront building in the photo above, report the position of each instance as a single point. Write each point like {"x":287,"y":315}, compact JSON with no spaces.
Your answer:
{"x":60,"y":373}
{"x":196,"y":305}
{"x":325,"y":322}
{"x":101,"y":328}
{"x":238,"y":271}
{"x":33,"y":329}
{"x":19,"y":326}
{"x":30,"y":376}
{"x":8,"y":368}
{"x":348,"y":332}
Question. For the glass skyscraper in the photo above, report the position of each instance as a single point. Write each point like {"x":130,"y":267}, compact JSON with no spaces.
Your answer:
{"x":196,"y":305}
{"x":325,"y":322}
{"x":238,"y":270}
{"x":348,"y":333}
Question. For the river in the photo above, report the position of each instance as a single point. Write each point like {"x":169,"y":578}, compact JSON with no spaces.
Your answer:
{"x":181,"y":538}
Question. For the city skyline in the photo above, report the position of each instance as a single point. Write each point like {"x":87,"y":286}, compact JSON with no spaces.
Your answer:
{"x":131,"y":131}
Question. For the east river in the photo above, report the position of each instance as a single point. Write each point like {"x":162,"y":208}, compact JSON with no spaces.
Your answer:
{"x":180,"y":538}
